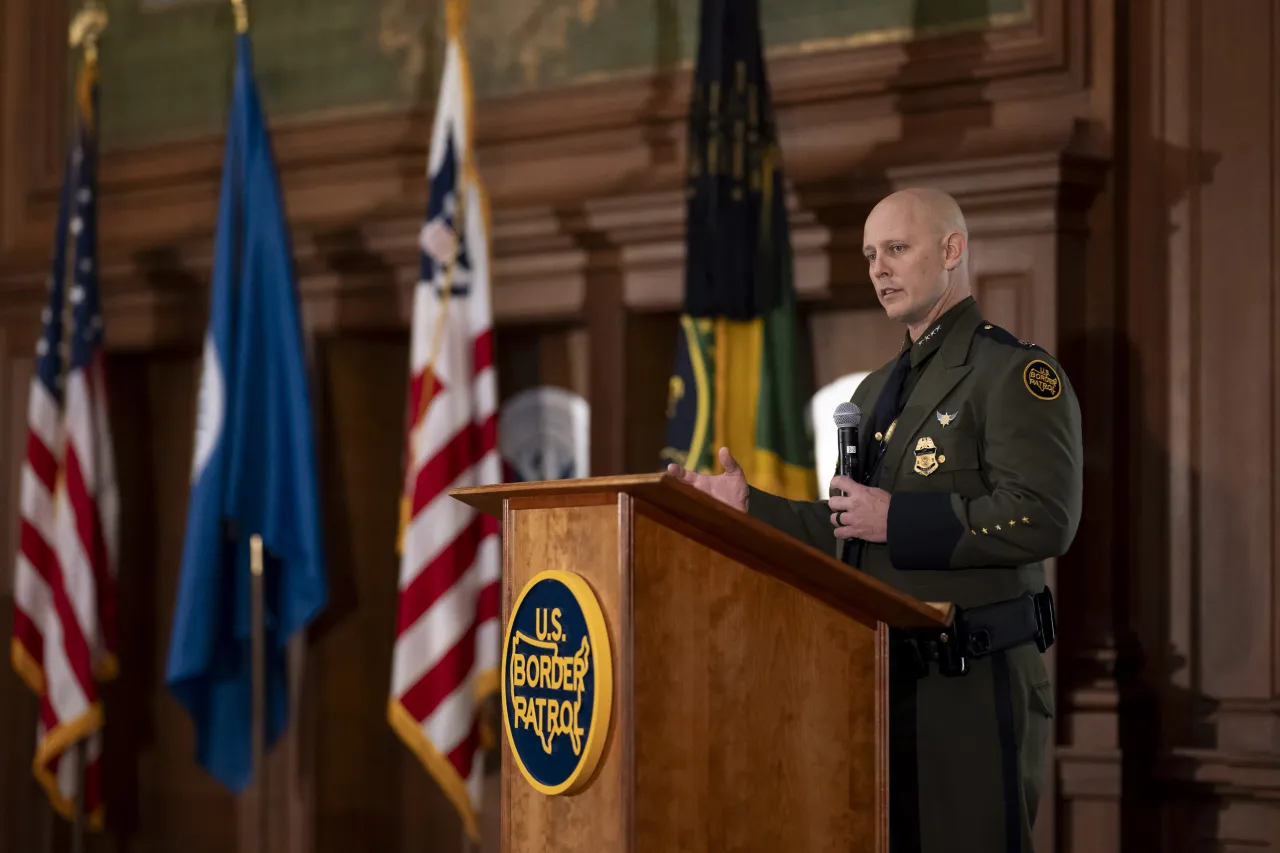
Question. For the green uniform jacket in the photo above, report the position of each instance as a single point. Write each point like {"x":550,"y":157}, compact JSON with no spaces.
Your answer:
{"x":985,"y":468}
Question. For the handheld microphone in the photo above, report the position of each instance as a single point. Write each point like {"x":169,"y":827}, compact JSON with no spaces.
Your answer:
{"x":847,"y":417}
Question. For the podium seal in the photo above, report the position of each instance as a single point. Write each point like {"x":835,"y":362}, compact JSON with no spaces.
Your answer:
{"x":557,"y":682}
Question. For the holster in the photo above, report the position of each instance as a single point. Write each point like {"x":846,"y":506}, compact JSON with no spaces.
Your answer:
{"x":981,"y":631}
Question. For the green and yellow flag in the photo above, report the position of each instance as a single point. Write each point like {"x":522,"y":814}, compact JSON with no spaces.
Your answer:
{"x":740,"y":380}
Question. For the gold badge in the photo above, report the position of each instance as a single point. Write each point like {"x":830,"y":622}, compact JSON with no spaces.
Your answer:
{"x":1041,"y":380}
{"x":927,"y":457}
{"x":947,"y":419}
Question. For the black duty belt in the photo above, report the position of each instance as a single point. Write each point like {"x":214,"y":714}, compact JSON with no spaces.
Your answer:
{"x":978,"y":632}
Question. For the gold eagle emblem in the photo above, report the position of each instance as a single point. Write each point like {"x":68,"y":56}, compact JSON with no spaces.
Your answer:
{"x":927,"y":457}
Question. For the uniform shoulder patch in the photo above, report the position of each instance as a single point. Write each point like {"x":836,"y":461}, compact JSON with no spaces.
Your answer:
{"x":1042,"y":380}
{"x":1004,"y":336}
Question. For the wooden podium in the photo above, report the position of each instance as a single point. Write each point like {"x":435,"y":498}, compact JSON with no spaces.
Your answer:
{"x":749,"y":685}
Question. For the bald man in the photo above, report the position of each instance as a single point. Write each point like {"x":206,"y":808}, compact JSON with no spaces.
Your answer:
{"x":971,"y":478}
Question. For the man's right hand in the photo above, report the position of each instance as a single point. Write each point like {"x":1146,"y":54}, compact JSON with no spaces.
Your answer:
{"x":730,"y":487}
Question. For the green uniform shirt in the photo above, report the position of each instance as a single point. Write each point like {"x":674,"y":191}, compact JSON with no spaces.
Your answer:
{"x":984,"y":465}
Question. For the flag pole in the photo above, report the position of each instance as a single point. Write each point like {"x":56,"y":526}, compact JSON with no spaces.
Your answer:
{"x":258,"y":632}
{"x":77,"y":838}
{"x":257,"y":629}
{"x":87,"y":25}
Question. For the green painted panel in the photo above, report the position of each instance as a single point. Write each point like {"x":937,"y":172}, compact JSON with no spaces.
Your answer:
{"x":531,"y":44}
{"x":166,"y":64}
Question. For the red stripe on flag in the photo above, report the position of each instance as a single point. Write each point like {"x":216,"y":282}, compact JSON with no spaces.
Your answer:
{"x":447,"y":675}
{"x":439,"y":575}
{"x":412,"y":415}
{"x":41,"y":460}
{"x":489,"y":603}
{"x":89,"y":528}
{"x":416,"y":386}
{"x":465,"y":449}
{"x":45,"y":561}
{"x":26,"y":633}
{"x":441,"y":680}
{"x":482,"y":351}
{"x":47,"y":715}
{"x":464,"y":754}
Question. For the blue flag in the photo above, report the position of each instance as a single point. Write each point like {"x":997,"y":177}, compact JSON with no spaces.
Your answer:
{"x":254,"y":466}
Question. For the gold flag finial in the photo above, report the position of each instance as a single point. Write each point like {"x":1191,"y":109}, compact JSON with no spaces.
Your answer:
{"x":455,"y":15}
{"x":242,"y":15}
{"x":86,"y":27}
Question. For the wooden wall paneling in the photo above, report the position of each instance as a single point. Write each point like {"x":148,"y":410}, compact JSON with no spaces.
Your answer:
{"x":651,"y":355}
{"x":850,"y":341}
{"x":1235,"y":568}
{"x":608,"y":351}
{"x":33,"y":40}
{"x":1275,"y":363}
{"x":1103,"y":784}
{"x":533,"y":354}
{"x":179,"y":805}
{"x":137,"y":700}
{"x":360,"y":765}
{"x":1005,"y":300}
{"x":1235,"y":545}
{"x":1202,"y":225}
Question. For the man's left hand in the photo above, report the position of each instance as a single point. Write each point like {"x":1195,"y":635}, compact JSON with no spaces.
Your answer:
{"x":861,"y":512}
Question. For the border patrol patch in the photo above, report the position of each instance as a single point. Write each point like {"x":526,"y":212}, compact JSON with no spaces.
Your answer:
{"x":1042,"y":380}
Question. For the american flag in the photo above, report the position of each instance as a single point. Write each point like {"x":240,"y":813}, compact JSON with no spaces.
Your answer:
{"x":447,"y":633}
{"x":64,"y":584}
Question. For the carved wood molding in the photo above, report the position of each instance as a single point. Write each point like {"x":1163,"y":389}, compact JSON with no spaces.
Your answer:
{"x":579,"y":178}
{"x":546,"y":258}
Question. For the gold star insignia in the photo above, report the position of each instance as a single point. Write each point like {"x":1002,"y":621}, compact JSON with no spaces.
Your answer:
{"x":1012,"y":522}
{"x":1026,"y":520}
{"x":974,"y":532}
{"x":998,"y":527}
{"x":984,"y":531}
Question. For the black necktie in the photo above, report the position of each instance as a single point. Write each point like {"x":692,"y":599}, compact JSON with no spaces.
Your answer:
{"x":888,"y":407}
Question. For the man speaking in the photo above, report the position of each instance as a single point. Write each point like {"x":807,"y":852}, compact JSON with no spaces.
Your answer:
{"x":970,"y":476}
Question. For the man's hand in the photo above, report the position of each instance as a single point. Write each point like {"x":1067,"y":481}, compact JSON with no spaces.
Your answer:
{"x":730,"y":487}
{"x":861,"y":513}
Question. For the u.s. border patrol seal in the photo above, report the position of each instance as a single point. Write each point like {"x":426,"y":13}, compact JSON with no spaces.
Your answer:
{"x":557,"y":682}
{"x":1042,"y":380}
